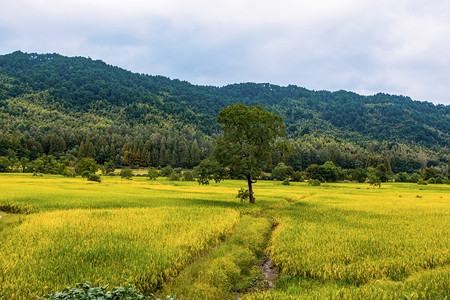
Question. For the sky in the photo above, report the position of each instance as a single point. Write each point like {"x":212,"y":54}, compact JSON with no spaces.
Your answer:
{"x":399,"y":47}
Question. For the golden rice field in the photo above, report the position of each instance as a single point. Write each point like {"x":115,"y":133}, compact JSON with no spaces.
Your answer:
{"x":335,"y":241}
{"x":353,"y":237}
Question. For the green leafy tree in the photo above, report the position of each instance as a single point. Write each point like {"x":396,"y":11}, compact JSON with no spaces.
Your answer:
{"x":281,"y":172}
{"x":313,"y":172}
{"x":87,"y":164}
{"x":249,"y":138}
{"x":188,"y":176}
{"x":402,"y":177}
{"x":24,"y":164}
{"x":38,"y":165}
{"x":126,"y":173}
{"x":373,"y":177}
{"x":94,"y":177}
{"x":4,"y":164}
{"x":383,"y":166}
{"x":210,"y":169}
{"x":415,"y":178}
{"x":429,"y":173}
{"x":152,"y":173}
{"x":329,"y":172}
{"x":109,"y":167}
{"x":174,"y":177}
{"x":86,"y":149}
{"x":359,"y":175}
{"x":167,"y":171}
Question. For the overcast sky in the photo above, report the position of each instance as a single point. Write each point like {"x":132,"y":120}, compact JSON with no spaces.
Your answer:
{"x":367,"y":46}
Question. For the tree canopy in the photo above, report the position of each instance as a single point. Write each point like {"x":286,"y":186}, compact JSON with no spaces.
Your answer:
{"x":249,"y":138}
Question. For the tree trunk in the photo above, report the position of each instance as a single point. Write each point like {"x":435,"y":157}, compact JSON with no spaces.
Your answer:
{"x":250,"y":189}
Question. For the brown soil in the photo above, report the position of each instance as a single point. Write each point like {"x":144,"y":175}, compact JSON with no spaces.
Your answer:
{"x":270,"y":273}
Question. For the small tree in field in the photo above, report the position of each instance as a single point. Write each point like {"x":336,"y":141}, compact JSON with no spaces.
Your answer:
{"x":126,"y":173}
{"x":373,"y":177}
{"x":152,"y":173}
{"x":87,"y":165}
{"x":249,"y":139}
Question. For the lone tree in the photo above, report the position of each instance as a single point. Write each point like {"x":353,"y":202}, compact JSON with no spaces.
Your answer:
{"x":249,"y":138}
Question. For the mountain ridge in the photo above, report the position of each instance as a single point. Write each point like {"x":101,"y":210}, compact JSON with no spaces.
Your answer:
{"x":106,"y":98}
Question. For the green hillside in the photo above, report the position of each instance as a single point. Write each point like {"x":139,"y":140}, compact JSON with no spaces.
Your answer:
{"x":77,"y":107}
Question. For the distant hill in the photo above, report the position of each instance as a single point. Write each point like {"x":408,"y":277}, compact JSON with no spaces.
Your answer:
{"x":57,"y":103}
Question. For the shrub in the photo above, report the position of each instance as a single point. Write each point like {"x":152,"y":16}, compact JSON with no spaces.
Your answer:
{"x":126,"y":173}
{"x":314,"y":182}
{"x":243,"y":194}
{"x":110,"y":167}
{"x":167,"y":171}
{"x":373,"y":177}
{"x":87,"y":164}
{"x":421,"y":182}
{"x":94,"y":177}
{"x":86,"y":291}
{"x":69,"y":172}
{"x":281,"y":172}
{"x":4,"y":164}
{"x":286,"y":182}
{"x":265,"y":176}
{"x":402,"y":177}
{"x":188,"y":176}
{"x":85,"y":174}
{"x":431,"y":180}
{"x":439,"y":180}
{"x":415,"y":178}
{"x":296,"y":176}
{"x":174,"y":177}
{"x":152,"y":173}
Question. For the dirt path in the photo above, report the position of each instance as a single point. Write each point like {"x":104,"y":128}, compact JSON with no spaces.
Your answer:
{"x":270,"y":273}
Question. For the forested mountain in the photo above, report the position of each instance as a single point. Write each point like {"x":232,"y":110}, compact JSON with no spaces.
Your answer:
{"x":79,"y":107}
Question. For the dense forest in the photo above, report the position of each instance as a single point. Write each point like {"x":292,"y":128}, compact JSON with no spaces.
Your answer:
{"x":56,"y":110}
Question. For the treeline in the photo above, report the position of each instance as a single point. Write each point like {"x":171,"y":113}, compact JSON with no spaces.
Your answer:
{"x":309,"y":157}
{"x":376,"y":171}
{"x":158,"y":148}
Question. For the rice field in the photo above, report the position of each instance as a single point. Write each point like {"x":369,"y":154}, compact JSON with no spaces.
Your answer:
{"x":335,"y":241}
{"x":353,"y":236}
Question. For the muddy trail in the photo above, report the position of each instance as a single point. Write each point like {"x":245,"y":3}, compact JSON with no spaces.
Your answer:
{"x":269,"y":272}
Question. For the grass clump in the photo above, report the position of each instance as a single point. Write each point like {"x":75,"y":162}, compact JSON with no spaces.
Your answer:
{"x":94,"y":177}
{"x":314,"y":182}
{"x":15,"y":208}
